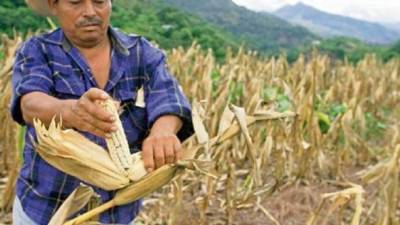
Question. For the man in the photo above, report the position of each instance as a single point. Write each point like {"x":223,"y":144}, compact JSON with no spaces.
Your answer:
{"x":64,"y":73}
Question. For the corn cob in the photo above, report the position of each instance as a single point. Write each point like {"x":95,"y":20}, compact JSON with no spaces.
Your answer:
{"x":117,"y":144}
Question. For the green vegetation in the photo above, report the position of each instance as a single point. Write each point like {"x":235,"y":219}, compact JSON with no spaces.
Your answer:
{"x":1,"y":54}
{"x":273,"y":94}
{"x":270,"y":35}
{"x":392,"y":52}
{"x":263,"y":32}
{"x":170,"y":27}
{"x":327,"y":113}
{"x":375,"y":126}
{"x":214,"y":24}
{"x":354,"y":50}
{"x":15,"y":16}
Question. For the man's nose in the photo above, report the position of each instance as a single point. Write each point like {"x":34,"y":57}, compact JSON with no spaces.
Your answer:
{"x":89,"y":9}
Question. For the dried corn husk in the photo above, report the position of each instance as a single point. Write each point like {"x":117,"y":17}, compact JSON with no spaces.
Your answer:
{"x":72,"y":153}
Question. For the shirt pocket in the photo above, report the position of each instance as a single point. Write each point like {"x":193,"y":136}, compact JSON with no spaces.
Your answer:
{"x":133,"y":118}
{"x":68,"y":82}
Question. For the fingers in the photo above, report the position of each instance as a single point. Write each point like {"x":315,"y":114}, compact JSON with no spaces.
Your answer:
{"x":178,"y":150}
{"x":169,"y":152}
{"x":95,"y":110}
{"x":87,"y":127}
{"x":89,"y":100}
{"x":90,"y":124}
{"x":89,"y":116}
{"x":94,"y":94}
{"x":147,"y":155}
{"x":159,"y":155}
{"x":160,"y":149}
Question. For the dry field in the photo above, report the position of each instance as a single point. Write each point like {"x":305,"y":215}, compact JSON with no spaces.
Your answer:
{"x":321,"y":145}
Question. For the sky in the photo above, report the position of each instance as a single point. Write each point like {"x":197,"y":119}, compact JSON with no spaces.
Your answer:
{"x":387,"y":11}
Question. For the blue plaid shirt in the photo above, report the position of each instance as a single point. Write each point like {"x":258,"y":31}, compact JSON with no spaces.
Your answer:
{"x":50,"y":64}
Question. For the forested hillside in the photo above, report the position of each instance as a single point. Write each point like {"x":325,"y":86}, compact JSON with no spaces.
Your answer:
{"x":167,"y":26}
{"x":214,"y":24}
{"x":266,"y":33}
{"x":332,"y":25}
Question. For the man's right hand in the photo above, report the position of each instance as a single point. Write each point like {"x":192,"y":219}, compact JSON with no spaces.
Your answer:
{"x":85,"y":114}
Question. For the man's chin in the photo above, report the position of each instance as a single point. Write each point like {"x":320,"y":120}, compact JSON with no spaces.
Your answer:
{"x":91,"y":28}
{"x":91,"y":36}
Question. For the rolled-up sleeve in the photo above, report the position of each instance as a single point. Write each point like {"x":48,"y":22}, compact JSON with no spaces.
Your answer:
{"x":163,"y":95}
{"x":30,"y":73}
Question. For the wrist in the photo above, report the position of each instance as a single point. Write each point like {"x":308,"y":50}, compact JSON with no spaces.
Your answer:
{"x":156,"y":132}
{"x":167,"y":124}
{"x":66,"y":112}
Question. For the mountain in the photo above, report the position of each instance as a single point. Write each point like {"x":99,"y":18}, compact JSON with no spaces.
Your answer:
{"x":331,"y":25}
{"x":167,"y":26}
{"x":263,"y":32}
{"x":393,"y":26}
{"x":170,"y":27}
{"x":214,"y":24}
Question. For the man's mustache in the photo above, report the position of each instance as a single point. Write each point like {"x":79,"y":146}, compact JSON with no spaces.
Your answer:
{"x":90,"y":22}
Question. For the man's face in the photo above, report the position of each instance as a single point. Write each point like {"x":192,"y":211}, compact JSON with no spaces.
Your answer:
{"x":84,"y":21}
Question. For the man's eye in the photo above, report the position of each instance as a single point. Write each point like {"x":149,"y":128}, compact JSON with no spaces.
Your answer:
{"x":74,"y":2}
{"x":99,"y":1}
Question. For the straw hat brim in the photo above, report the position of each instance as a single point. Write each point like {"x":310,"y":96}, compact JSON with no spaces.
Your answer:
{"x":41,"y":7}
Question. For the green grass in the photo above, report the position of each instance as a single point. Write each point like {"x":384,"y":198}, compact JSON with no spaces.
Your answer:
{"x":273,"y":94}
{"x":1,"y":54}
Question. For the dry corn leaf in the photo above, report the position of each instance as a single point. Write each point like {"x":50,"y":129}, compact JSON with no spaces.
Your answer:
{"x":339,"y":198}
{"x":383,"y":169}
{"x":75,"y":202}
{"x":201,"y":132}
{"x":225,"y":121}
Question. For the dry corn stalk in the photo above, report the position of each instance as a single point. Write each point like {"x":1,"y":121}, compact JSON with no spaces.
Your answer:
{"x":357,"y":88}
{"x":72,"y":153}
{"x":156,"y":179}
{"x":339,"y":199}
{"x":9,"y":130}
{"x":148,"y":184}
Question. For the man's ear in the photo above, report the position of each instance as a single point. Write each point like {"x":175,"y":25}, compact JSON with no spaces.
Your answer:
{"x":52,"y":6}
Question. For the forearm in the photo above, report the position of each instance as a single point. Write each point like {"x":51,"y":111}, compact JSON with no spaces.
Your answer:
{"x":83,"y":114}
{"x":167,"y":124}
{"x":44,"y":107}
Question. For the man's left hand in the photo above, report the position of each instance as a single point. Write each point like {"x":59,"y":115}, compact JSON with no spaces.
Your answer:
{"x":162,"y":146}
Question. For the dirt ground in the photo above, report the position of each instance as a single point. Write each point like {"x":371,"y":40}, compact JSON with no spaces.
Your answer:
{"x":289,"y":205}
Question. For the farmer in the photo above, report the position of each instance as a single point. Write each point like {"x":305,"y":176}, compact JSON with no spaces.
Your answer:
{"x":64,"y":73}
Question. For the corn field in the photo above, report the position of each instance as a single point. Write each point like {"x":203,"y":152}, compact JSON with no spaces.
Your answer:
{"x":325,"y":151}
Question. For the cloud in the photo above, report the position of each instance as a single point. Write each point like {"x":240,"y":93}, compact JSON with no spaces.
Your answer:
{"x":263,"y":5}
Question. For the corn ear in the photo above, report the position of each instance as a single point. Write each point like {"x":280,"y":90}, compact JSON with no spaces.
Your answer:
{"x":118,"y":148}
{"x":117,"y":144}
